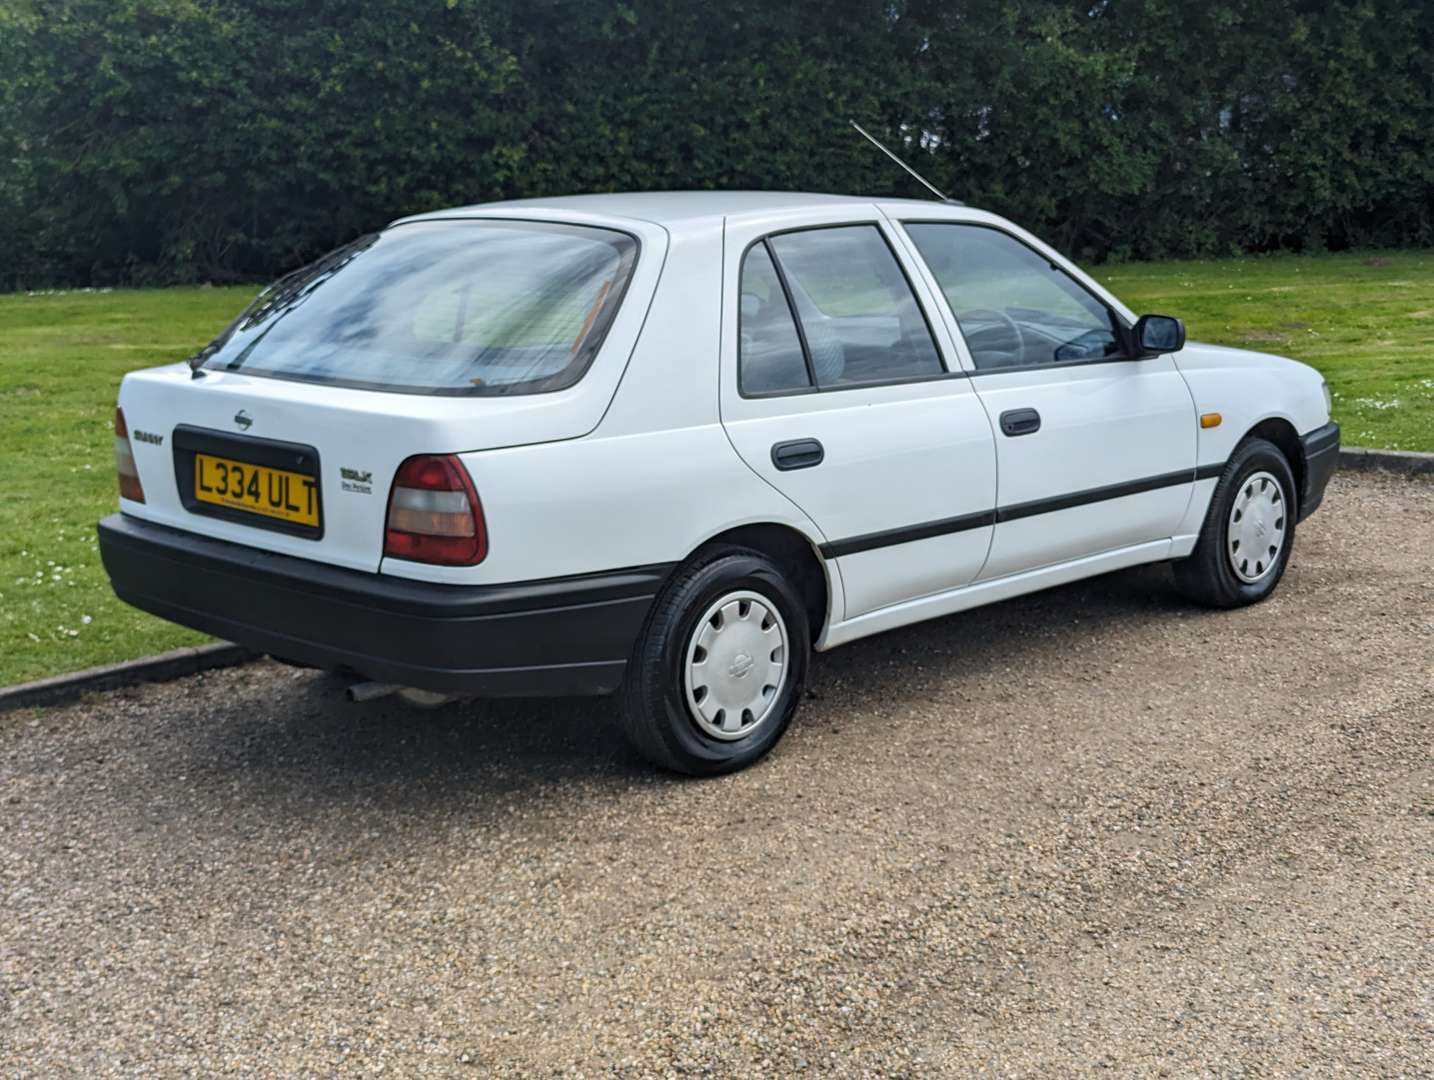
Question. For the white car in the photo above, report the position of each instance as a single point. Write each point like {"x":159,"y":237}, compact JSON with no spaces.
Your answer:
{"x":668,"y":444}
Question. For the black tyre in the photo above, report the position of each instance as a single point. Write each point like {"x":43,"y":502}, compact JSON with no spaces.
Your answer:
{"x":718,"y":670}
{"x":1249,"y":530}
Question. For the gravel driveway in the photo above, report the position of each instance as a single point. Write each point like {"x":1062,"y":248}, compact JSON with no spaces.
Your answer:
{"x":1092,"y":828}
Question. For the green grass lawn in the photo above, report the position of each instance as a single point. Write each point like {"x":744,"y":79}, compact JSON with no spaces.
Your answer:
{"x":1366,"y":321}
{"x":61,"y":359}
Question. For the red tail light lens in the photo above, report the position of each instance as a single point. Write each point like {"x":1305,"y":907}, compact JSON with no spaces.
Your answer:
{"x":129,"y":485}
{"x":434,"y":515}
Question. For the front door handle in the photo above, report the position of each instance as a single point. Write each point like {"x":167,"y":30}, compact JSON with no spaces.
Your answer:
{"x":797,"y":454}
{"x":1020,"y":422}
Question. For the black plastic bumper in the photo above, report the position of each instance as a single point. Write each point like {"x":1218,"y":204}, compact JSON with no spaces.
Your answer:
{"x":559,"y":636}
{"x":1321,"y":451}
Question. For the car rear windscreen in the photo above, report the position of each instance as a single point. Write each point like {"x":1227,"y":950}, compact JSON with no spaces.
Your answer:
{"x":448,"y":307}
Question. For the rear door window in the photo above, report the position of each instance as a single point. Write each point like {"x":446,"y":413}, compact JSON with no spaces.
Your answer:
{"x":859,"y":318}
{"x":446,"y":307}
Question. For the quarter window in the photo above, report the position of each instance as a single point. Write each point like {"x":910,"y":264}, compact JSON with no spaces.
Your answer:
{"x":859,"y":319}
{"x":1015,"y":308}
{"x":769,"y":353}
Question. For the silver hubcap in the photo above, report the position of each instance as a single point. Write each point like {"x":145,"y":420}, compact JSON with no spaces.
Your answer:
{"x":1256,"y":533}
{"x":736,"y":665}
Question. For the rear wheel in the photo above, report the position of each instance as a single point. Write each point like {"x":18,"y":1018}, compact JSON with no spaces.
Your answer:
{"x":1248,"y":533}
{"x":718,"y":671}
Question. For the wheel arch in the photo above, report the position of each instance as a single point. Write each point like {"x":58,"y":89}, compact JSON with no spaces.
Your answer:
{"x":796,"y":553}
{"x":1281,"y":432}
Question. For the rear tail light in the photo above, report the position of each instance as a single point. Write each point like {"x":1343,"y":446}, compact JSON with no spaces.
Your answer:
{"x":129,"y":485}
{"x":434,"y":515}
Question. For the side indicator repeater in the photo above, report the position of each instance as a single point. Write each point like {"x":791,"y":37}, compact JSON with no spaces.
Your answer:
{"x":1210,"y":419}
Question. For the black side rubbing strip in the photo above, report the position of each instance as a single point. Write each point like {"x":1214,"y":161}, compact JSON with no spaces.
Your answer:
{"x":906,"y":535}
{"x":1092,"y":495}
{"x":924,"y":531}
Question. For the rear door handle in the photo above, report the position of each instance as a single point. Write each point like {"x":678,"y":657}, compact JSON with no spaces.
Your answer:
{"x":1020,"y":422}
{"x":797,"y":454}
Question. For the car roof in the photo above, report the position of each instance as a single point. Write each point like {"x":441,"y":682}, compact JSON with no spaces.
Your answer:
{"x":674,"y":207}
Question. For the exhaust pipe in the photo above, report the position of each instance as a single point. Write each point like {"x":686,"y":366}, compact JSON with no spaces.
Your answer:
{"x":371,"y":691}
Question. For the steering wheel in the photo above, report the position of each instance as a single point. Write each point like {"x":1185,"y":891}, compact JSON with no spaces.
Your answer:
{"x":978,"y":314}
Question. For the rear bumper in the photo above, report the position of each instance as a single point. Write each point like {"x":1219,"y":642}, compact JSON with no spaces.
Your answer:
{"x":542,"y":638}
{"x":1321,"y":451}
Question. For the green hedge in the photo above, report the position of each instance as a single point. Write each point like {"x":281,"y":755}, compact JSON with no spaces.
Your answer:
{"x":180,"y":140}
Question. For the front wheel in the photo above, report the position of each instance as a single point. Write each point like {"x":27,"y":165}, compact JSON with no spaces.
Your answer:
{"x":1248,"y":533}
{"x":718,"y":671}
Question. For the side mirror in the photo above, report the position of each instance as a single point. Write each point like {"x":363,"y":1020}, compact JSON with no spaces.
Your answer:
{"x":1156,"y":334}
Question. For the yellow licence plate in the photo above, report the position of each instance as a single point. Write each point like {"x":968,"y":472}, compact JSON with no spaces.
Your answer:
{"x":275,"y":493}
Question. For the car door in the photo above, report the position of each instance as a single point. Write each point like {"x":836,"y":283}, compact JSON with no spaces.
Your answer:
{"x":836,"y":390}
{"x":1095,"y":450}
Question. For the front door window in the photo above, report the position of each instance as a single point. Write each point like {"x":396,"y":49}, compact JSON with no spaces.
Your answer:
{"x":1016,"y":309}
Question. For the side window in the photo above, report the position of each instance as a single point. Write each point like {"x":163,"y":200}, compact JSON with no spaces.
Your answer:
{"x":860,"y":321}
{"x":769,"y":352}
{"x":1015,"y":309}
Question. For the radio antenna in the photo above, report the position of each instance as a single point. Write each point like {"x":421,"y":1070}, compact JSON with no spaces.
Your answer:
{"x":927,"y":184}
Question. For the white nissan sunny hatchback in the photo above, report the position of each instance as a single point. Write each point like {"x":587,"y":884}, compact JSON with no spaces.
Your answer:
{"x":668,"y":444}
